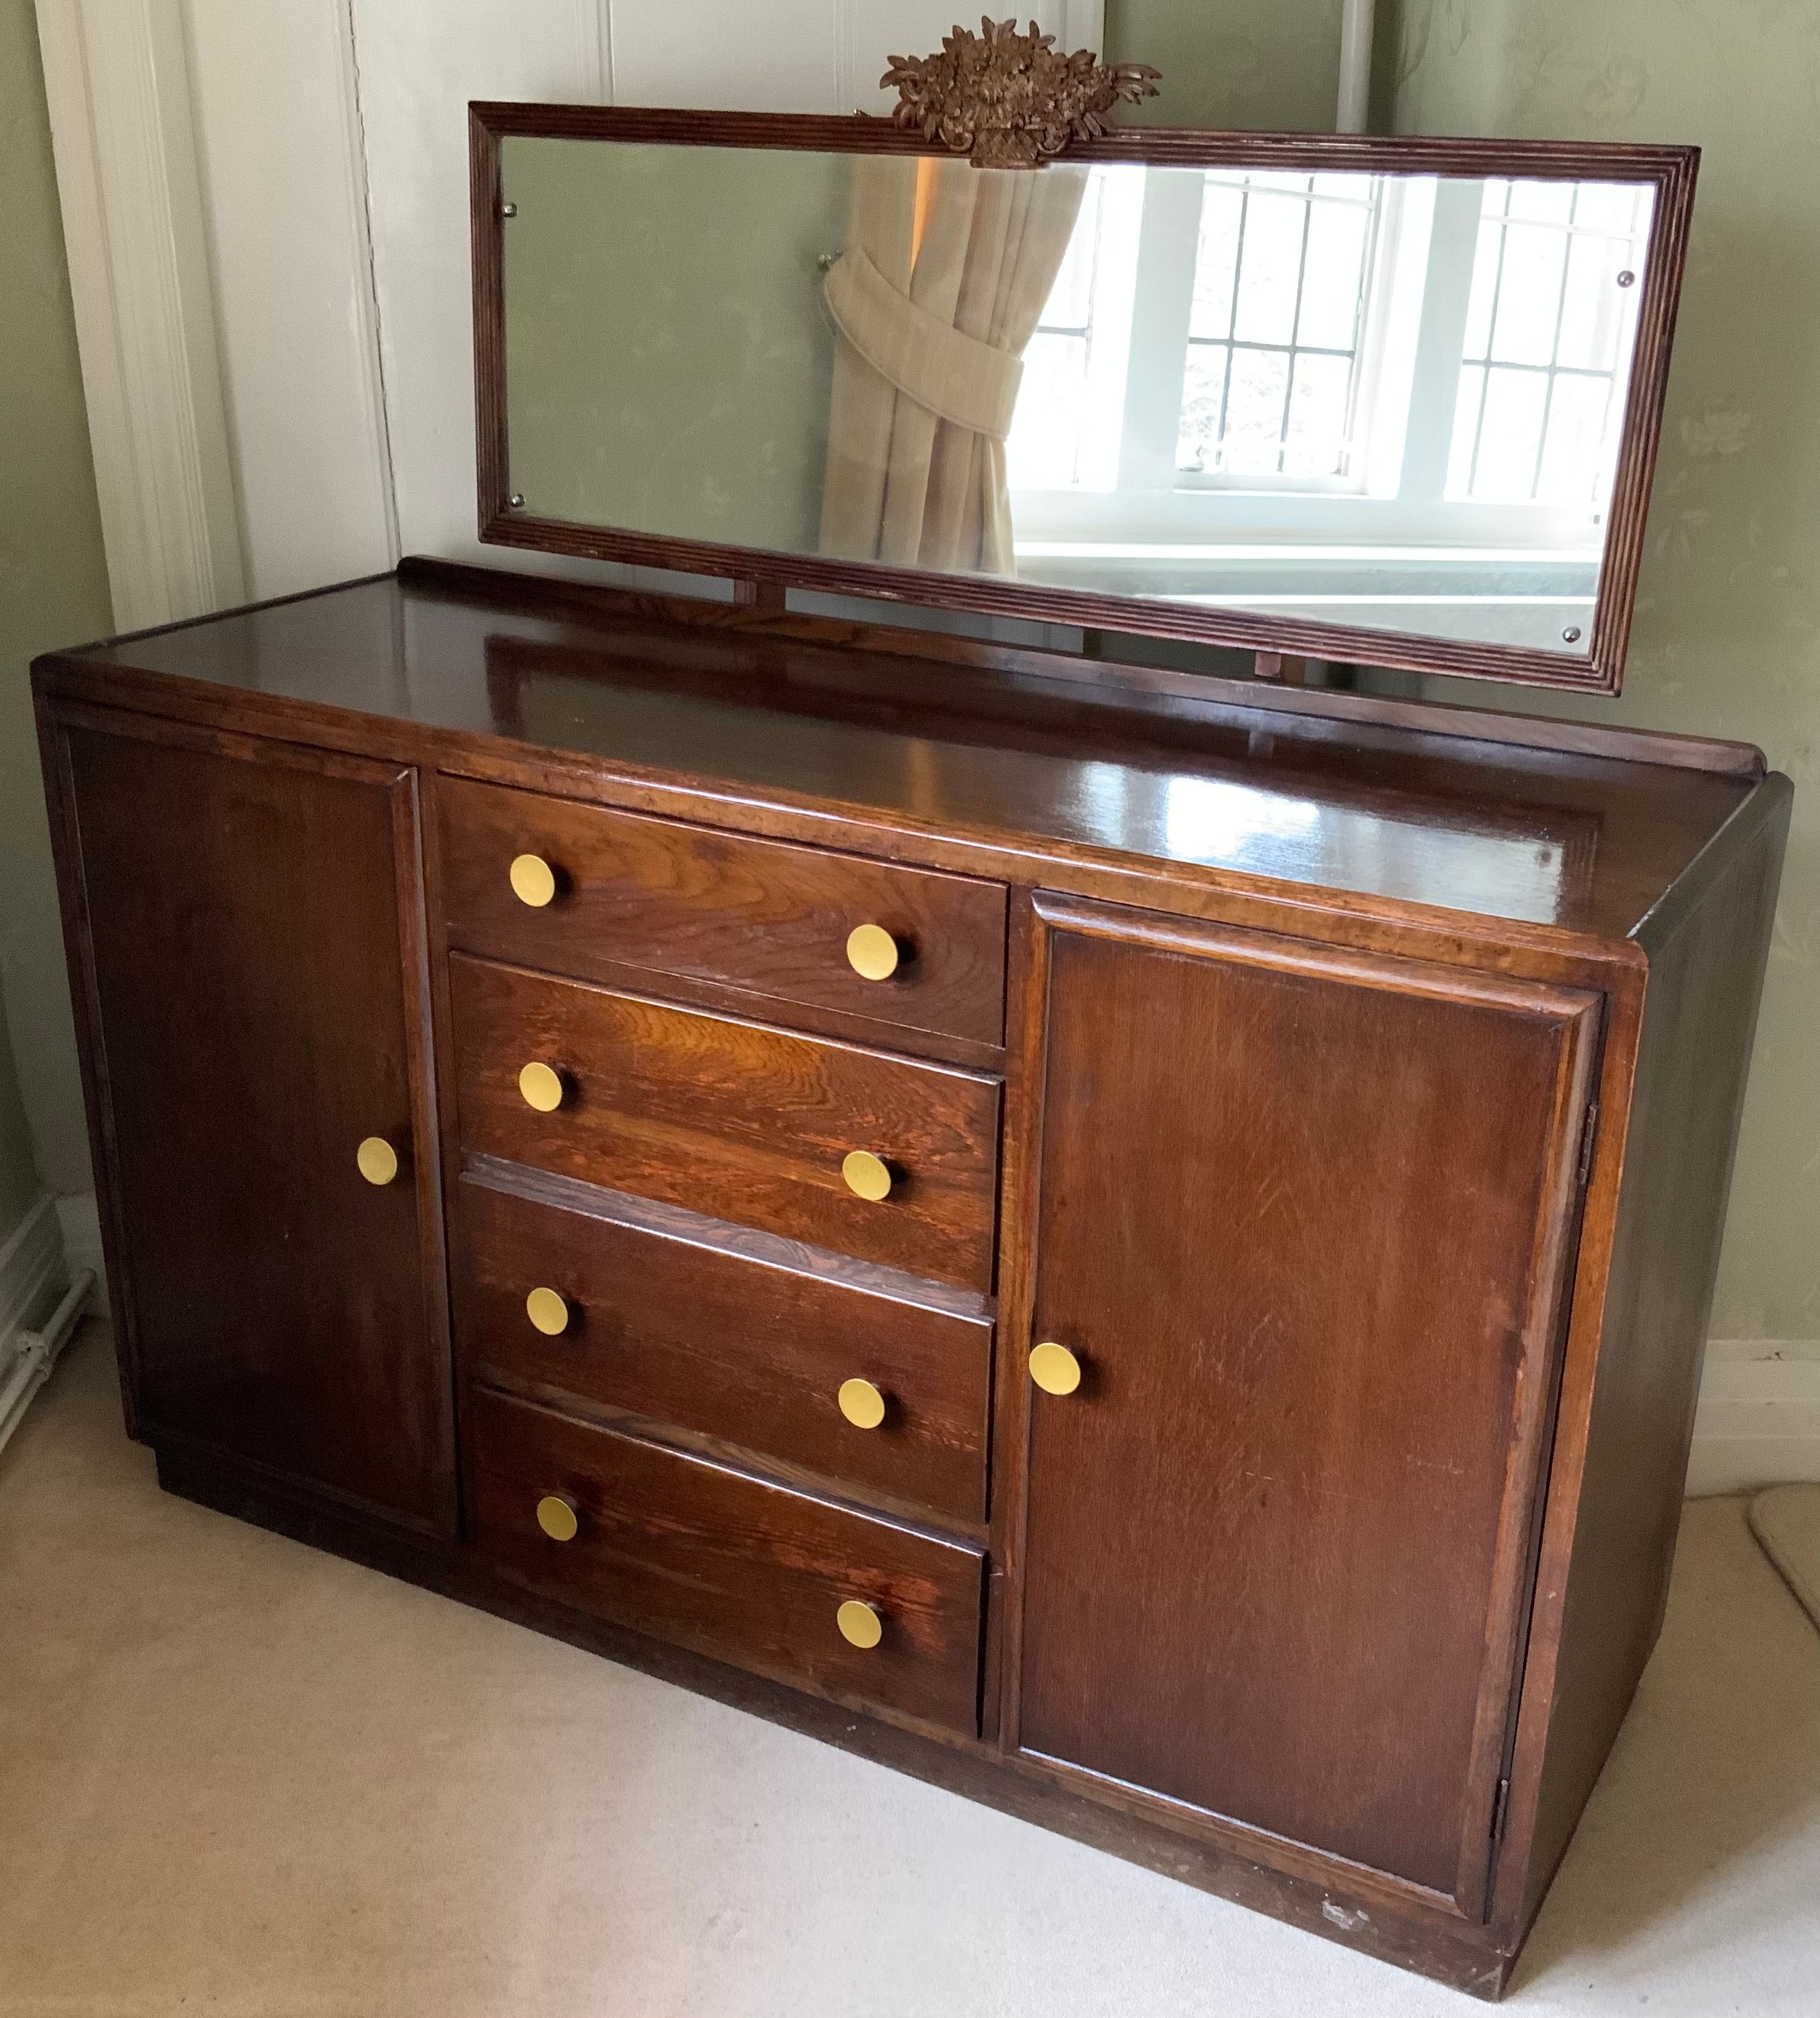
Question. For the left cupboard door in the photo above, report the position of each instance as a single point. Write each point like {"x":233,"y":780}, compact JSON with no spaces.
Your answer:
{"x":246,"y":929}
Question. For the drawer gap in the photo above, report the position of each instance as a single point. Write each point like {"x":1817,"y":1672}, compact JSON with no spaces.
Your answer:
{"x":759,"y":1465}
{"x":772,"y":1250}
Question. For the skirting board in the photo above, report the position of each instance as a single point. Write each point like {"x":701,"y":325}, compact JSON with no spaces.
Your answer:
{"x":81,"y":1227}
{"x":31,"y":1264}
{"x":32,"y":1276}
{"x":1758,"y":1422}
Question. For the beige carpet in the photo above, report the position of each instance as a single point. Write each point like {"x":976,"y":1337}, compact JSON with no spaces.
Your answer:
{"x":1787,"y":1521}
{"x":238,"y":1777}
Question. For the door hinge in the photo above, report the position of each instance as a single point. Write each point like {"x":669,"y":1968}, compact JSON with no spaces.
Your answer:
{"x":1500,"y":1810}
{"x":1589,"y":1129}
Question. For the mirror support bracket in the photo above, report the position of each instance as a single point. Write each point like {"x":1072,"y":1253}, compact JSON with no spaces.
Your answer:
{"x":763,"y":597}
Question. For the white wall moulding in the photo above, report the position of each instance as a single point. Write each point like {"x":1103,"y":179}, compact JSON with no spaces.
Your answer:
{"x":419,"y":62}
{"x":117,"y":80}
{"x":79,"y":1219}
{"x":594,"y":49}
{"x":285,"y":202}
{"x":780,"y":57}
{"x":41,"y":1298}
{"x":31,"y":1264}
{"x":1758,"y":1423}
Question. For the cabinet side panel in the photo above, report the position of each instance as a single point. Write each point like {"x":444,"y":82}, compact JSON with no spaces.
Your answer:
{"x":1705,"y":978}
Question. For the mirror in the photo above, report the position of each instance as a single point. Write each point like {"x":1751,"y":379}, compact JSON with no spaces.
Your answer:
{"x":1346,"y":402}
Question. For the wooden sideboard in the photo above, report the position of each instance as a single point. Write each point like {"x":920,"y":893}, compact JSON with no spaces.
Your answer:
{"x":516,"y":1173}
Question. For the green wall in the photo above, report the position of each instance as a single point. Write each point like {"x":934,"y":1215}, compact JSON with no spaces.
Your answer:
{"x":1262,"y":65}
{"x":19,"y":1184}
{"x":1727,"y":635}
{"x":53,"y":591}
{"x":669,"y":297}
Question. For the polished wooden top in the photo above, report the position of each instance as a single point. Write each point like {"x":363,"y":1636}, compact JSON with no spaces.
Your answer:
{"x":1582,"y":828}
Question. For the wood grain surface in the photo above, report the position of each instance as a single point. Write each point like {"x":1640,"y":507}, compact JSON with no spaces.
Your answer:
{"x":1302,"y":1221}
{"x":728,"y":1565}
{"x":734,"y":1120}
{"x":755,"y":915}
{"x":1008,"y":764}
{"x":749,"y":1346}
{"x":1304,"y":991}
{"x":253,"y":959}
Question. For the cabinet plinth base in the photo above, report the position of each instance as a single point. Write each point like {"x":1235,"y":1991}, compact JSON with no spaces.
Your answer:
{"x":976,"y":1772}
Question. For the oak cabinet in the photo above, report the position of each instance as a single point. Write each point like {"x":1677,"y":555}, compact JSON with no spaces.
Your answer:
{"x":1304,"y":1221}
{"x":254,"y":947}
{"x":1134,"y":1245}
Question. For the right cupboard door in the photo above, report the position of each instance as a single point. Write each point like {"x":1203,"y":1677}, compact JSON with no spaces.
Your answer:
{"x":1304,"y":1218}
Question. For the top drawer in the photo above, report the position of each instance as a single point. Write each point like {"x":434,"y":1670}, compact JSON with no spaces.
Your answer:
{"x":759,"y":915}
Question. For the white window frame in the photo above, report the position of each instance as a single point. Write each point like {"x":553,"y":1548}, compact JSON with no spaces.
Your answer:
{"x":1409,"y":367}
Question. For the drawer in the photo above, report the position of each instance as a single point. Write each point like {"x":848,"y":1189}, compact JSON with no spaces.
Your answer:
{"x":657,"y":1320}
{"x":760,"y":915}
{"x":729,"y":1565}
{"x":732,"y":1119}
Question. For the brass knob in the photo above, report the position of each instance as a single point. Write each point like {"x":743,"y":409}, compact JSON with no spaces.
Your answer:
{"x":862,"y":1404}
{"x":542,"y":1087}
{"x":867,"y":1176}
{"x":859,"y":1623}
{"x":377,"y":1159}
{"x":557,"y":1518}
{"x":872,"y":952}
{"x":548,"y":1312}
{"x":1053,"y":1368}
{"x":533,"y":882}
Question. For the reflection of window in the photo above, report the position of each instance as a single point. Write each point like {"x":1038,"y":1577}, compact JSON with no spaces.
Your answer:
{"x":1055,"y":362}
{"x":1278,"y":317}
{"x":1070,"y":407}
{"x":1392,"y":400}
{"x":1535,"y":415}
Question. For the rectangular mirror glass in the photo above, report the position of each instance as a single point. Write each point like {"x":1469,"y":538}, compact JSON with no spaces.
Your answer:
{"x":1388,"y":411}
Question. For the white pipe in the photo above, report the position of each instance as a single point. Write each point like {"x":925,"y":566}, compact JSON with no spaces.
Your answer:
{"x":37,"y":1355}
{"x":1355,"y":22}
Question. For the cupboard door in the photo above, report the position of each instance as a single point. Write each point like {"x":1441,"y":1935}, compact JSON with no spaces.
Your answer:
{"x":254,"y":968}
{"x":1304,"y":1219}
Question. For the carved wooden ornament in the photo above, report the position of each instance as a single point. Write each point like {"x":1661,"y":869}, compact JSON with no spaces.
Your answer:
{"x":1011,"y":100}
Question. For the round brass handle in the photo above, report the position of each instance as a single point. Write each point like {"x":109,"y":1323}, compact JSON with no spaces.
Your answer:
{"x":377,"y":1159}
{"x":859,"y":1623}
{"x":533,"y":882}
{"x":557,"y":1518}
{"x":1053,"y":1368}
{"x":548,"y":1312}
{"x":872,"y":954}
{"x":862,"y":1404}
{"x":542,"y":1087}
{"x":866,"y":1176}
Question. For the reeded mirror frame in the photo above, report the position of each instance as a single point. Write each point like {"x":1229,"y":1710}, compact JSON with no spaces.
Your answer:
{"x":1669,"y":171}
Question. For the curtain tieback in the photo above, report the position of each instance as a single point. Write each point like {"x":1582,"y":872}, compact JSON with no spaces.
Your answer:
{"x":955,"y":376}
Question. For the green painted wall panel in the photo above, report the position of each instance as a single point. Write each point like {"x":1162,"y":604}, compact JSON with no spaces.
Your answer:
{"x":53,"y":591}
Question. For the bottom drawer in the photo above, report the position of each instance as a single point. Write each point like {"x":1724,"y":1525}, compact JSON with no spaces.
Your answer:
{"x":726,"y":1564}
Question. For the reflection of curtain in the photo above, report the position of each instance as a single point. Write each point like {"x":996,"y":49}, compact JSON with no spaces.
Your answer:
{"x":946,"y":271}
